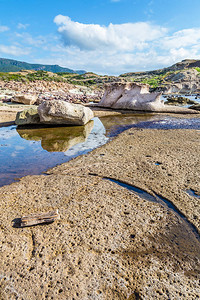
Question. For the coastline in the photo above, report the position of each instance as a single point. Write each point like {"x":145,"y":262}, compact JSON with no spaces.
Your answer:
{"x":109,"y":243}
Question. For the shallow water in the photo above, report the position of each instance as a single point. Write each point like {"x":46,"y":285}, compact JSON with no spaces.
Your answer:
{"x":191,"y":229}
{"x":192,"y":193}
{"x":34,"y":150}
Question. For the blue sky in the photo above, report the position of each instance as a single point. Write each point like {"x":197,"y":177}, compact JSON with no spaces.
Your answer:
{"x":106,"y":37}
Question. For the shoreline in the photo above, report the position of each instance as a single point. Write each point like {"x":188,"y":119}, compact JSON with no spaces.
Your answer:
{"x":112,"y":241}
{"x":8,"y":112}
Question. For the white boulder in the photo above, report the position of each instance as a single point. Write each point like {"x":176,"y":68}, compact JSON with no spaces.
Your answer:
{"x":61,"y":112}
{"x":133,"y":96}
{"x":26,"y":99}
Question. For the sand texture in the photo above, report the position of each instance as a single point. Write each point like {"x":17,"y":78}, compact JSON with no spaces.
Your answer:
{"x":109,"y":243}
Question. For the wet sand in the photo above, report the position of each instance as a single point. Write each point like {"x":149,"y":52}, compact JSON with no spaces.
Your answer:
{"x":109,"y":243}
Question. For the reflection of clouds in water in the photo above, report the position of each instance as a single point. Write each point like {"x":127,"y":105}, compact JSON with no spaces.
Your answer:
{"x":6,"y":133}
{"x":14,"y":154}
{"x":95,"y":139}
{"x":19,"y":147}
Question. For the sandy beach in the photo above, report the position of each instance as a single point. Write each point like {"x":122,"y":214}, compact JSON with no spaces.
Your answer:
{"x":109,"y":243}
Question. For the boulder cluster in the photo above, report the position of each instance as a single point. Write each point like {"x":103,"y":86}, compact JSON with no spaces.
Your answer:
{"x":43,"y":90}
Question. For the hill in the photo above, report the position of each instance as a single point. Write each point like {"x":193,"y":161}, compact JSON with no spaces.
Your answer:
{"x":10,"y":65}
{"x":183,"y":65}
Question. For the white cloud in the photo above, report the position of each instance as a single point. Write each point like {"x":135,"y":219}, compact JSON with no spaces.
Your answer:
{"x":119,"y":48}
{"x":112,"y":49}
{"x":22,"y":26}
{"x":28,"y":39}
{"x":14,"y":50}
{"x":4,"y":28}
{"x":182,"y":38}
{"x":120,"y":37}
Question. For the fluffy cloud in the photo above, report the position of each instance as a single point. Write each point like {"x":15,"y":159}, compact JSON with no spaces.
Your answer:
{"x":13,"y":50}
{"x":4,"y":28}
{"x":119,"y":48}
{"x":120,"y":37}
{"x":182,"y":38}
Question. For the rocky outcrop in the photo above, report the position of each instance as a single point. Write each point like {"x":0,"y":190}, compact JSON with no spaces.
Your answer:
{"x":131,"y":96}
{"x":27,"y":99}
{"x":60,"y":112}
{"x":27,"y":116}
{"x":183,"y":82}
{"x":172,"y":100}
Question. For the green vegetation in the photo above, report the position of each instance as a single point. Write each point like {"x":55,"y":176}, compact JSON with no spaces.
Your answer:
{"x":198,"y":69}
{"x":10,"y":65}
{"x":28,"y":77}
{"x":154,"y":81}
{"x":9,"y":77}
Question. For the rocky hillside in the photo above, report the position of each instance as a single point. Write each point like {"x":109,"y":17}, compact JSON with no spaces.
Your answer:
{"x":183,"y":65}
{"x":10,"y":65}
{"x":182,"y":77}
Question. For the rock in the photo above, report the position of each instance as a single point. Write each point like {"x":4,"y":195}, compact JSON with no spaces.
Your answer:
{"x":185,"y":75}
{"x":27,"y":99}
{"x":61,"y":112}
{"x":132,"y":96}
{"x":27,"y":116}
{"x":195,"y":106}
{"x":179,"y":100}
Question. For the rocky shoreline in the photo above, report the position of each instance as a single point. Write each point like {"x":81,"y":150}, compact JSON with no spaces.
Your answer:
{"x":44,"y":90}
{"x":109,"y":243}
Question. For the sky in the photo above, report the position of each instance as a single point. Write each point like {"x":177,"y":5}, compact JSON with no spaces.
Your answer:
{"x":106,"y":37}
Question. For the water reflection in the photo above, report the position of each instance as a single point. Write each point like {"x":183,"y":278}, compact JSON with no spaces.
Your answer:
{"x":33,"y":151}
{"x":117,"y":124}
{"x":58,"y":139}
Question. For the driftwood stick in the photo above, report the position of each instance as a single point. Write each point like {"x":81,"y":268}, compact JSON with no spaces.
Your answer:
{"x":36,"y":219}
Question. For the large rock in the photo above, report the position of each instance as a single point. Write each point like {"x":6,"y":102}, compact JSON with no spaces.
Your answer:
{"x":27,"y":116}
{"x":61,"y":112}
{"x":27,"y":99}
{"x":131,"y":96}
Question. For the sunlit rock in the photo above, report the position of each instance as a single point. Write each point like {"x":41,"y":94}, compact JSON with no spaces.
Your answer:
{"x":27,"y":116}
{"x":61,"y":112}
{"x":131,"y":96}
{"x":27,"y":99}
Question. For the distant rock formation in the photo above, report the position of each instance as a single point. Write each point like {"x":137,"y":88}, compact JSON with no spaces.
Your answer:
{"x":184,"y":82}
{"x":133,"y":96}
